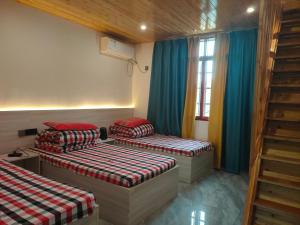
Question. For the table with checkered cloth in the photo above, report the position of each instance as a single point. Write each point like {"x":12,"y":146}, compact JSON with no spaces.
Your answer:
{"x":27,"y":198}
{"x":168,"y":144}
{"x":113,"y":164}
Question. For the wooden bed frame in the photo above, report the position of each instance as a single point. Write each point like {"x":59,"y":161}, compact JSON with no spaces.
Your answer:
{"x":121,"y":205}
{"x":190,"y":168}
{"x":90,"y":220}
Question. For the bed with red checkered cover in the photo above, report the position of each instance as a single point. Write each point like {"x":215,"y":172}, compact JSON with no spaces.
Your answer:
{"x":113,"y":164}
{"x":168,"y":144}
{"x":27,"y":198}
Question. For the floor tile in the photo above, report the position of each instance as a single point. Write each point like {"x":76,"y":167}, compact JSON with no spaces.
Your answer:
{"x":217,"y":200}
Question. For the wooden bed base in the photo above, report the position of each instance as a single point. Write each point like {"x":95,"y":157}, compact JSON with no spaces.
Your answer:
{"x":90,"y":220}
{"x":190,"y":168}
{"x":119,"y":205}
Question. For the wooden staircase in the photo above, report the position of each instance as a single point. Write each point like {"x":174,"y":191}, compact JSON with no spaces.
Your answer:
{"x":276,"y":182}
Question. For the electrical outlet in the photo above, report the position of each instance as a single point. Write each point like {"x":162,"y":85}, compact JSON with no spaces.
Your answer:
{"x":27,"y":132}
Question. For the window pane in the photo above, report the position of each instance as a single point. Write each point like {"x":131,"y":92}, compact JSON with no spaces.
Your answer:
{"x":210,"y":47}
{"x":208,"y":80}
{"x":200,"y":67}
{"x":198,"y":103}
{"x":198,"y":96}
{"x":207,"y":96}
{"x":206,"y":110}
{"x":209,"y":66}
{"x":201,"y":48}
{"x":199,"y":81}
{"x":199,"y":74}
{"x":197,"y":109}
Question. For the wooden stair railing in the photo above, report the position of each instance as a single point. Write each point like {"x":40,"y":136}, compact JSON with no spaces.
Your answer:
{"x":274,"y":186}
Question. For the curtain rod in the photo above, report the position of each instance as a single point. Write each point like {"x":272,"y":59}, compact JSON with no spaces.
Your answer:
{"x":208,"y":34}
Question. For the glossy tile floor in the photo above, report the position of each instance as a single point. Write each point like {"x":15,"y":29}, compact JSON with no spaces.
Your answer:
{"x":217,"y":200}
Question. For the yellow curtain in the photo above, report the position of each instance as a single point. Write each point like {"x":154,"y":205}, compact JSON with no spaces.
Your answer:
{"x":217,"y":97}
{"x":191,"y":89}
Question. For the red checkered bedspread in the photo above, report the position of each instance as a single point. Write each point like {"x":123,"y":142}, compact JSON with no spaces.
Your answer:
{"x":27,"y":198}
{"x":117,"y":165}
{"x":168,"y":144}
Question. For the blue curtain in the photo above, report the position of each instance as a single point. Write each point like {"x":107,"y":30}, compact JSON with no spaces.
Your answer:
{"x":238,"y":100}
{"x":168,"y":86}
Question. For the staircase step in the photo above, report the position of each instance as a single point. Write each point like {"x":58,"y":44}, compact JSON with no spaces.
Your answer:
{"x":289,"y":44}
{"x":286,"y":33}
{"x":284,"y":102}
{"x":280,"y":182}
{"x":296,"y":140}
{"x":283,"y":119}
{"x":285,"y":96}
{"x":282,"y":149}
{"x":277,"y":207}
{"x":283,"y":129}
{"x":290,"y":21}
{"x":278,"y":175}
{"x":285,"y":85}
{"x":281,"y":159}
{"x":287,"y":71}
{"x":291,"y":13}
{"x":283,"y":112}
{"x":288,"y":12}
{"x":277,"y":198}
{"x":283,"y":57}
{"x":268,"y":220}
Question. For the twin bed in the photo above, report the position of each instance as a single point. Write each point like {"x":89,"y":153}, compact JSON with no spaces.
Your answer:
{"x":129,"y":185}
{"x":27,"y":198}
{"x":194,"y":157}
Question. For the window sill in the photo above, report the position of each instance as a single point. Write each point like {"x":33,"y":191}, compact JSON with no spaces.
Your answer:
{"x":201,"y":118}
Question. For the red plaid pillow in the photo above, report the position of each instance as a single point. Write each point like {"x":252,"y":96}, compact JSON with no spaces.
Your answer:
{"x":136,"y":132}
{"x":70,"y":126}
{"x":132,"y":122}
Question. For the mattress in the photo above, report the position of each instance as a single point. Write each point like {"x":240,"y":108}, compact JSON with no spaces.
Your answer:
{"x":167,"y":144}
{"x":27,"y":198}
{"x":113,"y":164}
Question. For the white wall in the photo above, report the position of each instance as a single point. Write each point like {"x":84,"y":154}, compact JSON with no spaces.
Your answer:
{"x":141,"y":81}
{"x":48,"y":61}
{"x":201,"y":129}
{"x":141,"y":85}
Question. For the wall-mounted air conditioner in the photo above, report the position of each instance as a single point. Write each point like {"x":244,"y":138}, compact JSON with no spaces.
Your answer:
{"x":114,"y":48}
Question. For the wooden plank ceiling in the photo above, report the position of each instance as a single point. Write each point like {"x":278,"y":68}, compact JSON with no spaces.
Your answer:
{"x":164,"y":18}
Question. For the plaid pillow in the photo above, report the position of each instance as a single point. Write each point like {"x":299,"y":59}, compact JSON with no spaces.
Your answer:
{"x":131,"y":122}
{"x":69,"y":137}
{"x":136,"y":132}
{"x":48,"y":146}
{"x":70,"y":126}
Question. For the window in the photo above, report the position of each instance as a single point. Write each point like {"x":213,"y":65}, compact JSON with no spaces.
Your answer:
{"x":205,"y":74}
{"x":198,"y":217}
